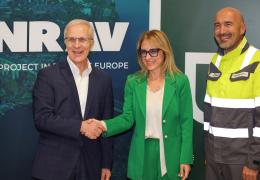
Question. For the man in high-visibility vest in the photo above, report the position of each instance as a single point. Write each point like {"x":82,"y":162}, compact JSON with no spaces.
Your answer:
{"x":232,"y":103}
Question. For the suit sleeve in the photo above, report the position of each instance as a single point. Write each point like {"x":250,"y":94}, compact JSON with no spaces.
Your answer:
{"x":107,"y":143}
{"x":45,"y":114}
{"x":125,"y":120}
{"x":186,"y":121}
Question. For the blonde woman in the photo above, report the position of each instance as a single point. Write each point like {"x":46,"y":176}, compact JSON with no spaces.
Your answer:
{"x":157,"y":102}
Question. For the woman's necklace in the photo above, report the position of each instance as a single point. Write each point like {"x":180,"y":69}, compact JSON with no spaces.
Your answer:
{"x":155,"y":84}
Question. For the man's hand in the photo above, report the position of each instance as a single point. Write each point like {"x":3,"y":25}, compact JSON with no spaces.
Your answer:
{"x":249,"y":174}
{"x":184,"y":171}
{"x":91,"y":128}
{"x":105,"y":174}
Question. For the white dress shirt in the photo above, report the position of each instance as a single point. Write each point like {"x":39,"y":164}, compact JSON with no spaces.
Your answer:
{"x":81,"y":83}
{"x":153,"y":127}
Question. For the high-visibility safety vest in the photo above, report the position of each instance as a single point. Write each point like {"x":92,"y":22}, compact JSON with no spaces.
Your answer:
{"x":232,"y":107}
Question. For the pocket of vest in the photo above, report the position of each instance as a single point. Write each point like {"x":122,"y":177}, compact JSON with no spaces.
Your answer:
{"x":239,"y":76}
{"x":244,"y":73}
{"x":214,"y":73}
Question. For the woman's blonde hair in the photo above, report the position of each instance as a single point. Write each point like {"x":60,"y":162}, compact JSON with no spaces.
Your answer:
{"x":159,"y":40}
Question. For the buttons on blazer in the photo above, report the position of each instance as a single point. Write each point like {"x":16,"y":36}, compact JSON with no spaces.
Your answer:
{"x":165,"y":136}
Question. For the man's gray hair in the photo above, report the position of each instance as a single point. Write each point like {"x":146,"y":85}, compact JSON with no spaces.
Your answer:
{"x":79,"y":21}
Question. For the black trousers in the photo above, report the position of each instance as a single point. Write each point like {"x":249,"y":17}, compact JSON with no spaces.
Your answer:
{"x":82,"y":172}
{"x":220,"y":171}
{"x":73,"y":177}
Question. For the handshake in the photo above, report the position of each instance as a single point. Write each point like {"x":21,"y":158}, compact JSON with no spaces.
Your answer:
{"x":92,"y":128}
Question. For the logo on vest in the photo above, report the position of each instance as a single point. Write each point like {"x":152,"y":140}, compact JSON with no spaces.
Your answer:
{"x":214,"y":75}
{"x":239,"y":76}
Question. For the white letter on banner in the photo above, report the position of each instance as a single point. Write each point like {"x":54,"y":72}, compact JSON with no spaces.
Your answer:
{"x":108,"y":41}
{"x":16,"y":41}
{"x":96,"y":46}
{"x":191,"y":60}
{"x":44,"y":32}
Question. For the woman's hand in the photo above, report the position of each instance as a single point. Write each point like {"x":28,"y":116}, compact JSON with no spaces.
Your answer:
{"x":184,"y":171}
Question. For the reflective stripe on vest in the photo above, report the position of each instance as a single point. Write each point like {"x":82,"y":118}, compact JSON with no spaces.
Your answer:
{"x":207,"y":99}
{"x":257,"y":102}
{"x":206,"y":126}
{"x":256,"y":131}
{"x":226,"y":132}
{"x":248,"y":57}
{"x":230,"y":103}
{"x":218,"y":61}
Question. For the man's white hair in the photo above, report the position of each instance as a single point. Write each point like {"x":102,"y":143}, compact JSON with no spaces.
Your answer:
{"x":79,"y":21}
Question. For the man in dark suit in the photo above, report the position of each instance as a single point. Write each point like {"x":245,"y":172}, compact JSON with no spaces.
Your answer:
{"x":65,"y":95}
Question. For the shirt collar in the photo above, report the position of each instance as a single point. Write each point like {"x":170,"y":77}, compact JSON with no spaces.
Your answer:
{"x":240,"y":49}
{"x":75,"y":69}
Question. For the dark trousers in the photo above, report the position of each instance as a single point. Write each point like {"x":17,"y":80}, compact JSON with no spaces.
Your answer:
{"x":220,"y":171}
{"x":73,"y":177}
{"x":82,"y":172}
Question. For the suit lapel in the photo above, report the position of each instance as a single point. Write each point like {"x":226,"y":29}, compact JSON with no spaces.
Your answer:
{"x":91,"y":91}
{"x":68,"y":76}
{"x":141,"y":94}
{"x":169,"y":92}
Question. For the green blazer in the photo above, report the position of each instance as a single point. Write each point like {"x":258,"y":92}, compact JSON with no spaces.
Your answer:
{"x":177,"y":123}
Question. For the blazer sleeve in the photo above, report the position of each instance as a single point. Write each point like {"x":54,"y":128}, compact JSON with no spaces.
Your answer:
{"x":45,"y":114}
{"x":107,"y":143}
{"x":125,"y":120}
{"x":186,"y":121}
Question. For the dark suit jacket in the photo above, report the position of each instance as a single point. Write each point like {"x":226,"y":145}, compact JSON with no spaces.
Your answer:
{"x":57,"y":117}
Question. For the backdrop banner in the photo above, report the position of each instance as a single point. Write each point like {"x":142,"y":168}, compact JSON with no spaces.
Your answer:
{"x":31,"y":38}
